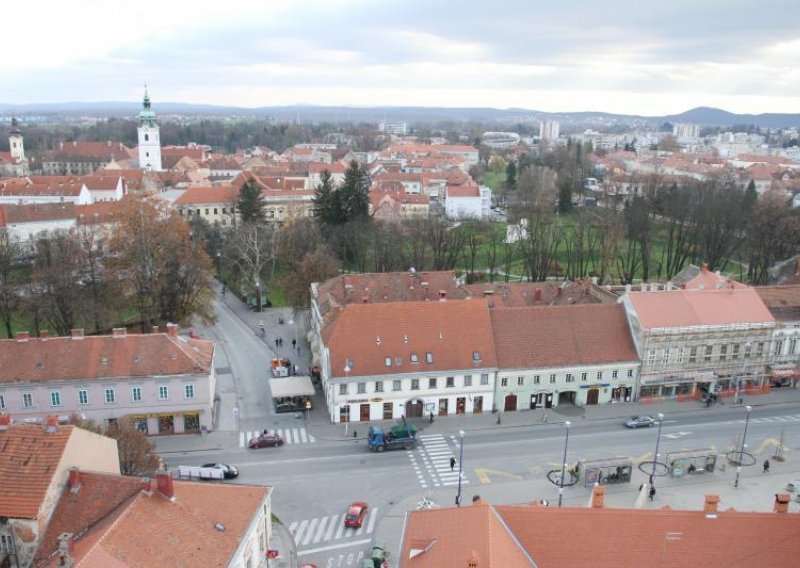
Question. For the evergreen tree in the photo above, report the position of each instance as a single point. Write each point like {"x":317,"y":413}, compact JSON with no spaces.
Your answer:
{"x":327,"y":206}
{"x":250,"y":204}
{"x":511,"y":174}
{"x":750,"y":197}
{"x":565,"y":197}
{"x":354,"y":193}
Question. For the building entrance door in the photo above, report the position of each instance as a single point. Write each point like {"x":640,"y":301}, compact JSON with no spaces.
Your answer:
{"x":364,"y":413}
{"x":414,"y":409}
{"x":477,"y":405}
{"x":461,"y":405}
{"x":592,"y":396}
{"x":511,"y":403}
{"x":548,"y":400}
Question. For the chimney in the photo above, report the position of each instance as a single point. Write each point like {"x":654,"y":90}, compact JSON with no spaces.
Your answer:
{"x":23,"y":336}
{"x":51,"y":423}
{"x":628,"y":287}
{"x":172,"y":329}
{"x":718,"y":274}
{"x":594,"y":280}
{"x":598,"y":496}
{"x":118,"y":332}
{"x":704,"y":267}
{"x":155,"y":329}
{"x":147,"y":484}
{"x":66,"y":548}
{"x":442,"y":295}
{"x":683,"y":285}
{"x":365,"y":299}
{"x":669,"y":286}
{"x":476,"y":499}
{"x":781,"y":503}
{"x":644,"y":286}
{"x":5,"y":420}
{"x":164,"y":482}
{"x":537,"y":295}
{"x":77,"y":333}
{"x":43,"y":334}
{"x":558,"y":291}
{"x":74,"y":480}
{"x":487,"y":293}
{"x":711,"y":504}
{"x":108,"y":143}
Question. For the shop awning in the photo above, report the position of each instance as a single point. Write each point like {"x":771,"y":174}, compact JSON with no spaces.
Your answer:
{"x":785,"y":373}
{"x":291,"y":386}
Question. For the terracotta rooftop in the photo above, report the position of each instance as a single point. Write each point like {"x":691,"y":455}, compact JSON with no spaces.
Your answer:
{"x":38,"y":212}
{"x":221,"y":194}
{"x":783,"y":302}
{"x":102,"y":212}
{"x":561,"y":335}
{"x":29,"y":457}
{"x":90,"y":151}
{"x":693,"y":308}
{"x":517,"y":294}
{"x":179,"y":533}
{"x":701,"y":278}
{"x":131,"y":355}
{"x":364,"y":337}
{"x":463,"y":191}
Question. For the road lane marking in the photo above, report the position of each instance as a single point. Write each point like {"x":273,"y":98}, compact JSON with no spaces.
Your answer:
{"x":310,"y":531}
{"x":372,"y":521}
{"x":340,"y":529}
{"x":333,"y":547}
{"x":320,"y":529}
{"x":300,"y":530}
{"x":483,"y":474}
{"x":331,"y":526}
{"x":303,"y":437}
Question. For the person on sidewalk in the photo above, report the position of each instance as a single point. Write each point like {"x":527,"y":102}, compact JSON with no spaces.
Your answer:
{"x":652,"y":492}
{"x":766,"y":466}
{"x":431,"y":418}
{"x":452,"y":463}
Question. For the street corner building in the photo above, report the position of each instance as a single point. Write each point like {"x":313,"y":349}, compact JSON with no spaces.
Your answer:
{"x":162,"y":381}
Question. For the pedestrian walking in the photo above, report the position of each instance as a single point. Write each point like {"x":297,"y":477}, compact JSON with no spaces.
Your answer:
{"x":652,"y":492}
{"x":452,"y":463}
{"x":277,"y":343}
{"x":294,"y":343}
{"x":431,"y":418}
{"x":766,"y":466}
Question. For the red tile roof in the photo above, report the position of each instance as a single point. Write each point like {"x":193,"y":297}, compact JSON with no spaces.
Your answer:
{"x":155,"y":531}
{"x":518,"y":294}
{"x":691,"y":308}
{"x":91,"y":151}
{"x":463,"y":191}
{"x":65,"y":358}
{"x":103,"y":212}
{"x":37,"y":212}
{"x":783,"y":302}
{"x":364,"y":335}
{"x":562,"y":335}
{"x":29,"y":457}
{"x":222,"y":194}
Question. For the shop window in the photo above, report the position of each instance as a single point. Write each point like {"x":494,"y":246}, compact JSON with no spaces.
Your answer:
{"x":191,"y":422}
{"x":140,"y":423}
{"x":166,"y":424}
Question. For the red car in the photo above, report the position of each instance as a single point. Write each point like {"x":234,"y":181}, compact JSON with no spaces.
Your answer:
{"x":356,"y":513}
{"x":265,"y":440}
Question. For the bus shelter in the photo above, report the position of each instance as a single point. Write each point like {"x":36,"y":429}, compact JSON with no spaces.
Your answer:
{"x":691,"y":462}
{"x":606,"y":472}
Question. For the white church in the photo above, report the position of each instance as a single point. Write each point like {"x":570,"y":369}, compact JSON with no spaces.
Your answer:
{"x":149,"y":140}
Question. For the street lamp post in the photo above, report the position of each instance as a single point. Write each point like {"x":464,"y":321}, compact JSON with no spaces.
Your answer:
{"x":258,"y":293}
{"x":460,"y":460}
{"x":658,"y":441}
{"x":744,"y":369}
{"x":744,"y":445}
{"x":563,"y":465}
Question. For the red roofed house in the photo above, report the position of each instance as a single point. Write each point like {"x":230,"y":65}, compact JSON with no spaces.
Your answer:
{"x":215,"y":205}
{"x":468,"y":201}
{"x":34,"y":468}
{"x":164,"y":382}
{"x":115,"y":521}
{"x":24,"y":224}
{"x":783,"y":303}
{"x":552,"y":355}
{"x":520,"y":536}
{"x":693,"y":341}
{"x":386,"y":360}
{"x":84,"y":158}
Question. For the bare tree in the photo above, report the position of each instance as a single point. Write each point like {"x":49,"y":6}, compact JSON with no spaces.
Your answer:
{"x":773,"y":234}
{"x":58,"y":273}
{"x":10,"y":281}
{"x":137,"y":455}
{"x":250,"y":249}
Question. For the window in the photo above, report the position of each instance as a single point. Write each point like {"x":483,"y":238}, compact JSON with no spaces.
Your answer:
{"x":146,"y":137}
{"x":735,"y":354}
{"x":779,"y":347}
{"x":680,"y":356}
{"x":396,"y":385}
{"x":651,"y":356}
{"x":188,"y":391}
{"x":667,"y":354}
{"x":723,"y":352}
{"x":450,"y":382}
{"x":2,"y":401}
{"x":504,"y":382}
{"x":552,"y":379}
{"x":343,"y":388}
{"x":414,"y":358}
{"x":599,"y":375}
{"x":111,"y":396}
{"x":748,"y":347}
{"x":414,"y":384}
{"x":584,"y":376}
{"x":378,"y":386}
{"x":570,"y":378}
{"x":398,"y":361}
{"x":476,"y":356}
{"x":136,"y":394}
{"x":520,"y":381}
{"x":630,"y":373}
{"x":206,"y":210}
{"x":760,"y":349}
{"x":55,"y":398}
{"x":7,"y":544}
{"x":467,"y":380}
{"x":709,"y":352}
{"x":388,"y":361}
{"x":693,"y":355}
{"x":614,"y":374}
{"x":83,"y":396}
{"x":432,"y":383}
{"x":429,"y":357}
{"x":536,"y":379}
{"x":485,"y":378}
{"x":215,"y":210}
{"x":362,"y":388}
{"x":792,"y":347}
{"x":163,"y":392}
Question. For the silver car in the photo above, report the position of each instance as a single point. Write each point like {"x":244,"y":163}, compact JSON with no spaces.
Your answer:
{"x":640,"y":422}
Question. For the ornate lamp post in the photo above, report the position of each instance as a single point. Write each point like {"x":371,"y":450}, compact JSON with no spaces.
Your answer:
{"x":460,"y":462}
{"x":563,"y":465}
{"x":744,"y":445}
{"x":658,"y":441}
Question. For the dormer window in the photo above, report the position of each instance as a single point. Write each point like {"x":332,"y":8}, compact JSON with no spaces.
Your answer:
{"x":398,"y":361}
{"x":429,"y":357}
{"x":414,"y":358}
{"x":476,"y":356}
{"x":388,"y":361}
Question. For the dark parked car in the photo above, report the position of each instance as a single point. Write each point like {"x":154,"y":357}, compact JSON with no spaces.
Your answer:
{"x":265,"y":441}
{"x":228,"y":471}
{"x":640,"y":422}
{"x":356,"y":513}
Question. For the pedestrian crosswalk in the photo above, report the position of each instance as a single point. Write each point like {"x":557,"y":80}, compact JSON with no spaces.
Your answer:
{"x":431,"y":460}
{"x":289,"y":435}
{"x":330,"y":528}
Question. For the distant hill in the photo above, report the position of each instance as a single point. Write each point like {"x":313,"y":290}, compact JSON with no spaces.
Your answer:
{"x":704,"y":116}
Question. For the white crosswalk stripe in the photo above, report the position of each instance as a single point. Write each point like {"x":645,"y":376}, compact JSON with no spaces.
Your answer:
{"x":328,"y":528}
{"x":432,"y":457}
{"x":290,"y":436}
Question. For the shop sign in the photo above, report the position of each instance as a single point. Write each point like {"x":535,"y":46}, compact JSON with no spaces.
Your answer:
{"x":376,"y":399}
{"x":356,"y":400}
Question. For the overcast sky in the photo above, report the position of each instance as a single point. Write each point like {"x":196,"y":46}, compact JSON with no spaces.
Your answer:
{"x":624,"y":56}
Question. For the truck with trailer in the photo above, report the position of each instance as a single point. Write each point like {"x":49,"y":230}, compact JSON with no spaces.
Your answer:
{"x":400,"y":436}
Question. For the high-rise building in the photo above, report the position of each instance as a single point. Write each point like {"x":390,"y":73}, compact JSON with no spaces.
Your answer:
{"x":548,"y":130}
{"x":149,"y":140}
